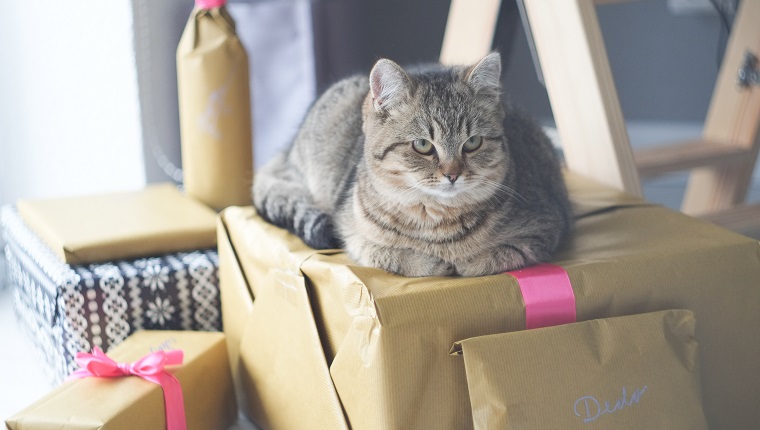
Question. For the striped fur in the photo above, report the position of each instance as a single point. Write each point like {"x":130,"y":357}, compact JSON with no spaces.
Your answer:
{"x":352,"y":178}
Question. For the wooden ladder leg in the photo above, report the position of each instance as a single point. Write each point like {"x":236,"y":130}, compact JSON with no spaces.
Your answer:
{"x":469,"y":31}
{"x":582,"y":91}
{"x":732,"y":119}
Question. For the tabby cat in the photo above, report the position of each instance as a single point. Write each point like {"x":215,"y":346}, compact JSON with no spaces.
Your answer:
{"x":421,"y":172}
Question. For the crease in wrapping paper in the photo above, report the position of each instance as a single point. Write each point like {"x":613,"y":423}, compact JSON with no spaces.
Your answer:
{"x":131,"y":403}
{"x":554,"y":377}
{"x":290,"y":344}
{"x":158,"y":219}
{"x":215,"y":110}
{"x":589,"y":199}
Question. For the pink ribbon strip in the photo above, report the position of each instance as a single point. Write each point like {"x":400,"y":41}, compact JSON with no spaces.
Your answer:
{"x":548,"y":295}
{"x":150,"y":368}
{"x":209,"y":4}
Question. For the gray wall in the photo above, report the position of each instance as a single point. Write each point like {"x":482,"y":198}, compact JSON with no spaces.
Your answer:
{"x":157,"y":30}
{"x":664,"y":65}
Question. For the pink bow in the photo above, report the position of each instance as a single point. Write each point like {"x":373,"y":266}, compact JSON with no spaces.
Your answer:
{"x":150,"y":368}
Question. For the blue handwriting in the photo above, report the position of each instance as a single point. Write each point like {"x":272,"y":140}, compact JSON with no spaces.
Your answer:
{"x":590,"y":409}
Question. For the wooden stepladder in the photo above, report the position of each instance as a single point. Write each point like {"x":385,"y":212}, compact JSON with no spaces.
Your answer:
{"x":587,"y":112}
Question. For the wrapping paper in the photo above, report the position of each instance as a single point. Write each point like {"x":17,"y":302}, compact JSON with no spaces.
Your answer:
{"x":130,"y":403}
{"x":361,"y":348}
{"x":71,"y":308}
{"x":215,"y":110}
{"x":632,"y":372}
{"x":158,"y":219}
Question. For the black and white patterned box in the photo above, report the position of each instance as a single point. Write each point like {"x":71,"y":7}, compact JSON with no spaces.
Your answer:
{"x":71,"y":308}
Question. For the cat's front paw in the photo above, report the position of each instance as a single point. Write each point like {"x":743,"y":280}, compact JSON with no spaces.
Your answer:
{"x":426,"y":267}
{"x":416,"y":265}
{"x":499,"y":260}
{"x":401,"y":261}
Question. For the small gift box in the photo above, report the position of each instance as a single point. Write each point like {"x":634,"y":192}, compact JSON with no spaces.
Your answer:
{"x":132,"y":393}
{"x":71,"y":307}
{"x":582,"y":376}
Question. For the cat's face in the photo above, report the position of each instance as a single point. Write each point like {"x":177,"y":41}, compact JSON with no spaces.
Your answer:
{"x":436,"y":133}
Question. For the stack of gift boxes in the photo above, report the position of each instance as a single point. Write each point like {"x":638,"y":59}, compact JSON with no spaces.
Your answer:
{"x":90,"y":271}
{"x":120,"y":273}
{"x":103,"y":283}
{"x":658,"y":315}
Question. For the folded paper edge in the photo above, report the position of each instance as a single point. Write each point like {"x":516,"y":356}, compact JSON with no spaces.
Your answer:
{"x":313,"y":329}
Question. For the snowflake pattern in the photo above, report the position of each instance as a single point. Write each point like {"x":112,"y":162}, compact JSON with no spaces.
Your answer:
{"x":70,"y":308}
{"x":160,"y":311}
{"x":156,"y":276}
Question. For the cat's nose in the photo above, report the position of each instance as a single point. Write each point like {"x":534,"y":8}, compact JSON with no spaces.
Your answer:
{"x":451,"y":169}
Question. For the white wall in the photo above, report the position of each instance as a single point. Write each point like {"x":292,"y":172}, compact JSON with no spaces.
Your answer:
{"x":69,"y":113}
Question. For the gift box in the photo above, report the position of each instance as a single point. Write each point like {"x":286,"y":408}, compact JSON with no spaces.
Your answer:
{"x":131,"y":402}
{"x":350,"y":346}
{"x":69,"y":308}
{"x":632,"y":372}
{"x":156,"y":220}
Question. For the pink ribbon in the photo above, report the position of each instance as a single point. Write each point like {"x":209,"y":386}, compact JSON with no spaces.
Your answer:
{"x":548,"y":295}
{"x":209,"y":4}
{"x":150,"y":368}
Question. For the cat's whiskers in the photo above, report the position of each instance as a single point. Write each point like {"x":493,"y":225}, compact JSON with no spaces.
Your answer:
{"x":510,"y":192}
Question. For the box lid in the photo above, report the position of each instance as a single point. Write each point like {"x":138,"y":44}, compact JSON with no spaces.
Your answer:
{"x":156,"y":220}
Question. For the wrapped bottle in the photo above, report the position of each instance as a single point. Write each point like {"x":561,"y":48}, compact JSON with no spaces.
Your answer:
{"x":214,"y":108}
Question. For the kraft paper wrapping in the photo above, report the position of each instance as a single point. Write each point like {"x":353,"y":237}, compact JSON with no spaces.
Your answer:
{"x":156,"y":220}
{"x":385,"y":339}
{"x":131,"y":403}
{"x":632,"y":372}
{"x":215,"y":110}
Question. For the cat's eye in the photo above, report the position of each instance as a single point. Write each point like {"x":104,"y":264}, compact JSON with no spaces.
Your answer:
{"x":423,"y":146}
{"x":472,"y":144}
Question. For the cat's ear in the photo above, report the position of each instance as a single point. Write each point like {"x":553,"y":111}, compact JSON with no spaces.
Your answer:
{"x":388,"y":83}
{"x":485,"y":77}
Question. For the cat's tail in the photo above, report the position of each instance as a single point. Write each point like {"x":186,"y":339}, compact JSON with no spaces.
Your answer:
{"x":281,"y":197}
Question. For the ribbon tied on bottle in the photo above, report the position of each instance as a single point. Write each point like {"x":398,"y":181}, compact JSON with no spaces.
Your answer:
{"x":209,"y":4}
{"x":149,"y":368}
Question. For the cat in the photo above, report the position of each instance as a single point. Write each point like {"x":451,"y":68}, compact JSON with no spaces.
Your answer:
{"x":421,"y":172}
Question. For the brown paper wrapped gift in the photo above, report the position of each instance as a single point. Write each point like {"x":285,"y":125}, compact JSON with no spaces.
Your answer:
{"x":318,"y":342}
{"x":156,"y":220}
{"x":632,"y":372}
{"x":215,"y":109}
{"x":131,"y":403}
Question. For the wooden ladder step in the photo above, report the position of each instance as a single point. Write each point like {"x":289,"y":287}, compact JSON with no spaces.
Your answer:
{"x":687,"y":155}
{"x":742,"y":218}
